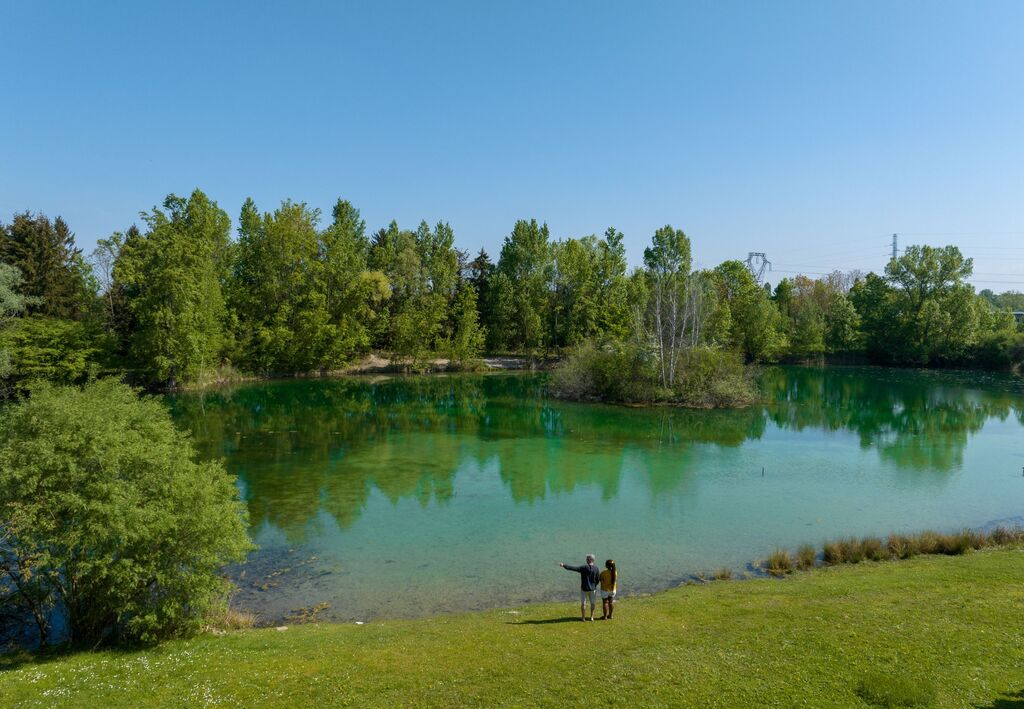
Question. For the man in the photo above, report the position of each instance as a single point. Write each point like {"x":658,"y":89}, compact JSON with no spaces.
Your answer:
{"x":590,"y":577}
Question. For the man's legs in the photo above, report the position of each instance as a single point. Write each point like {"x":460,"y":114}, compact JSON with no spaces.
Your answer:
{"x":583,"y":605}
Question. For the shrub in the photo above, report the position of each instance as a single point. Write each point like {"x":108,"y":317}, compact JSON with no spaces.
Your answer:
{"x":109,"y":522}
{"x":779,"y":563}
{"x":805,"y":557}
{"x":723,"y":574}
{"x":890,"y":691}
{"x":605,"y":372}
{"x":619,"y":372}
{"x":713,"y":378}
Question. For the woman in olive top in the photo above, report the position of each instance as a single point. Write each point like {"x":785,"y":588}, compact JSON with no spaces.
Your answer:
{"x":609,"y":584}
{"x":588,"y":584}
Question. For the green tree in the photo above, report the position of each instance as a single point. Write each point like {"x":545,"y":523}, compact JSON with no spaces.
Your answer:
{"x":277,"y":292}
{"x":12,"y":304}
{"x":173,"y":275}
{"x":754,"y":325}
{"x":589,"y":298}
{"x":671,"y":316}
{"x":522,"y":306}
{"x":468,"y":337}
{"x":109,"y":520}
{"x":422,"y":269}
{"x":66,"y":351}
{"x":54,"y":274}
{"x":935,"y":318}
{"x":354,"y":293}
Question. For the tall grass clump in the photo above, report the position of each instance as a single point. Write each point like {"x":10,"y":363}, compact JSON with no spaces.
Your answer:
{"x":779,"y":563}
{"x":832,"y":553}
{"x":723,"y":574}
{"x":900,"y":546}
{"x":1001,"y":536}
{"x":805,"y":557}
{"x":873,"y":549}
{"x":852,"y":550}
{"x":904,"y":546}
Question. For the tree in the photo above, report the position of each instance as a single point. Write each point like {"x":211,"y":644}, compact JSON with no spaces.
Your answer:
{"x":66,"y":351}
{"x":173,"y":275}
{"x":12,"y":304}
{"x":932,"y":305}
{"x":110,"y":521}
{"x":54,"y":274}
{"x":422,"y":268}
{"x":753,"y":323}
{"x":467,"y":341}
{"x":523,"y":304}
{"x":589,"y":289}
{"x":278,"y":292}
{"x":675,"y":308}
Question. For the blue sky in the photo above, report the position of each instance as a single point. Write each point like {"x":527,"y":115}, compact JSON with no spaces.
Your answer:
{"x":808,"y":130}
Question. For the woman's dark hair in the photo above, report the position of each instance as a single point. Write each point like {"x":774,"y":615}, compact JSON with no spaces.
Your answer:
{"x":610,"y":565}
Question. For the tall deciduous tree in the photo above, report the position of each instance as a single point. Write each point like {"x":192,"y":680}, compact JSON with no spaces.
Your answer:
{"x":522,"y":300}
{"x":933,"y":302}
{"x":753,"y":323}
{"x":468,"y":337}
{"x":677,"y":308}
{"x":173,"y":275}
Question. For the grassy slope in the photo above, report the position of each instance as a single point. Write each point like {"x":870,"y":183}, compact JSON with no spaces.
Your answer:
{"x":955,"y":622}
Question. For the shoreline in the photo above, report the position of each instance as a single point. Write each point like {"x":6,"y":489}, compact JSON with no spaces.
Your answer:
{"x":997,"y":534}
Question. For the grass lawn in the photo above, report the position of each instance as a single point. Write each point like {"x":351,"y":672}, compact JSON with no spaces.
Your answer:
{"x":948,"y":627}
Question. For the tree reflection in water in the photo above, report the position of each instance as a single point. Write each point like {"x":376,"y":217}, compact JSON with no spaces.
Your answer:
{"x":305,"y":446}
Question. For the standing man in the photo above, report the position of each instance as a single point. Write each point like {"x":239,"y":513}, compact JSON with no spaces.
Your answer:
{"x":590,"y":577}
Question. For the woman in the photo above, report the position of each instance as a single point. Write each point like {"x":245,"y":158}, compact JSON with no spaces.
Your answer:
{"x":609,"y":583}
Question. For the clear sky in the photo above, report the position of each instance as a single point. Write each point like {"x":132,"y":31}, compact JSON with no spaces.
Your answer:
{"x":808,"y":130}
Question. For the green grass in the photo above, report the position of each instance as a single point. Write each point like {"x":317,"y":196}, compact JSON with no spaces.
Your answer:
{"x":836,"y":636}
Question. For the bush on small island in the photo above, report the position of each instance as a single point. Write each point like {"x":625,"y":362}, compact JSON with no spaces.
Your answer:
{"x":106,"y":520}
{"x":623,"y":373}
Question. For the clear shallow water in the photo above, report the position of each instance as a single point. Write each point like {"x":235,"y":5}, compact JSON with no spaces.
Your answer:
{"x":413,"y":496}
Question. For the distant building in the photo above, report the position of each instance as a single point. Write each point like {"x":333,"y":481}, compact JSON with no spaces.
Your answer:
{"x":1019,"y":314}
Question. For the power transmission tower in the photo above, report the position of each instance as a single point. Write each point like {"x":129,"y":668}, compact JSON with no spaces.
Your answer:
{"x":757,"y":264}
{"x":894,"y":249}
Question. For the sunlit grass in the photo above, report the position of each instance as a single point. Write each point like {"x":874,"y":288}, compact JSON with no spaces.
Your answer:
{"x":830,"y":637}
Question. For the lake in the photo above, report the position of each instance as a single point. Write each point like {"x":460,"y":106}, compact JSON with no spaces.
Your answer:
{"x":408,"y":496}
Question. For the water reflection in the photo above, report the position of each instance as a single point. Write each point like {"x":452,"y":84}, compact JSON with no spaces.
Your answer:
{"x":302,"y":448}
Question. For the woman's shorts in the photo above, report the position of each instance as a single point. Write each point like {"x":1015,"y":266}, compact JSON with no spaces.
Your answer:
{"x":608,"y":594}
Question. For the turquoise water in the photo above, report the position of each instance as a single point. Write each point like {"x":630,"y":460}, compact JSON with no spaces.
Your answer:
{"x":413,"y":496}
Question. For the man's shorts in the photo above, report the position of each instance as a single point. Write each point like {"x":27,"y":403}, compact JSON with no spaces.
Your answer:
{"x":588,"y":595}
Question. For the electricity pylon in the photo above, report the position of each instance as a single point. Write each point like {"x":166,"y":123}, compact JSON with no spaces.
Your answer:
{"x":758,"y":263}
